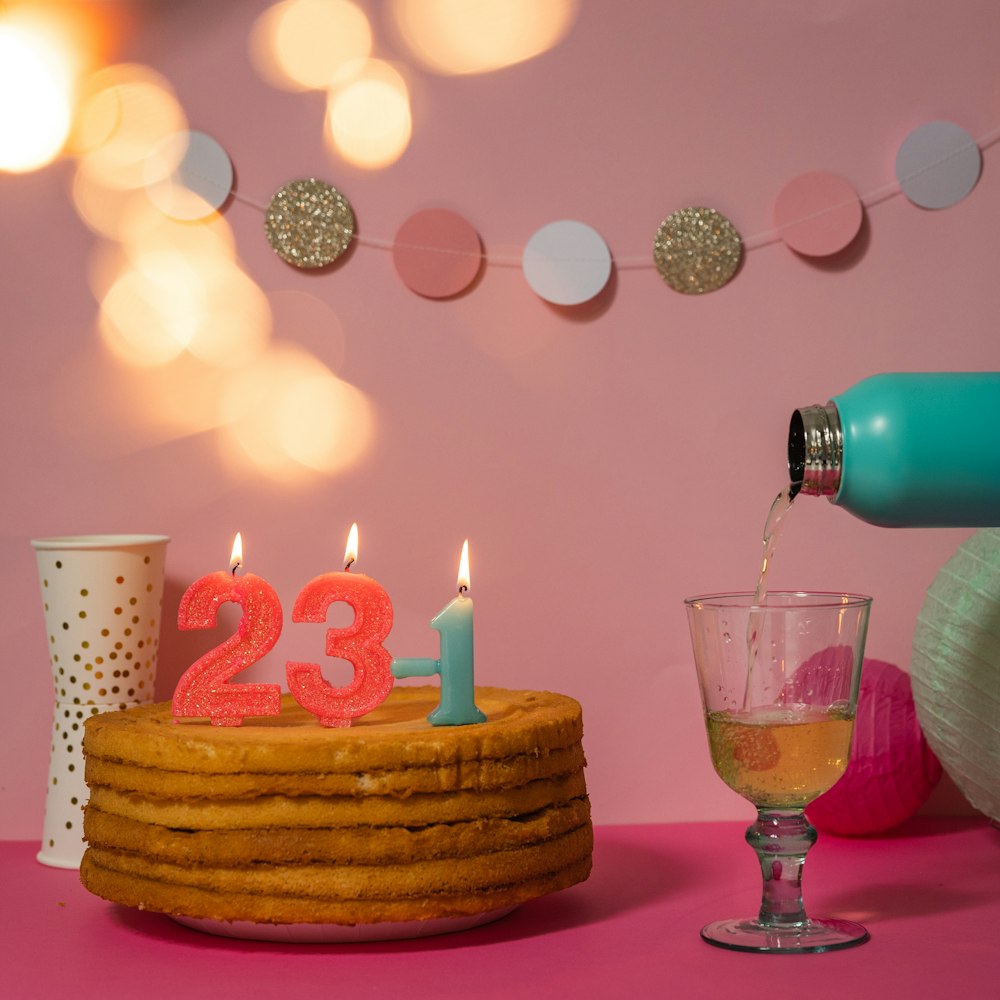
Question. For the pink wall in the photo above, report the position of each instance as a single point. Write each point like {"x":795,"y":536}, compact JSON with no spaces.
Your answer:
{"x":604,"y":461}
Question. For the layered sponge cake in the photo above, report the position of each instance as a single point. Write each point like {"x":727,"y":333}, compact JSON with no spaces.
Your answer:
{"x":284,"y":821}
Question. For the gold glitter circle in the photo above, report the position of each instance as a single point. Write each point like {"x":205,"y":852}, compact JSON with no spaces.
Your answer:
{"x":697,"y":250}
{"x":309,"y":223}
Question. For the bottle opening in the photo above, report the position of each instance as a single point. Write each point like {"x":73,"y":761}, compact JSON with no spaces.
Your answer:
{"x":796,"y":454}
{"x":815,"y":448}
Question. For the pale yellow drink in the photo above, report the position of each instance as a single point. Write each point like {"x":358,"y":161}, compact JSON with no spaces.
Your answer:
{"x":780,"y":757}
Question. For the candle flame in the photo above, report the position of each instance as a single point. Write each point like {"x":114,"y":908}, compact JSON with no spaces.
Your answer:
{"x":464,"y":579}
{"x":236,"y":559}
{"x":351,"y":552}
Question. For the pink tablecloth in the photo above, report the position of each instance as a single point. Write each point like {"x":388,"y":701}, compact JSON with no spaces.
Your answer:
{"x":930,"y":895}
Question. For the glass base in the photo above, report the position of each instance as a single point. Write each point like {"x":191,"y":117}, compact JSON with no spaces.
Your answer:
{"x":810,"y":936}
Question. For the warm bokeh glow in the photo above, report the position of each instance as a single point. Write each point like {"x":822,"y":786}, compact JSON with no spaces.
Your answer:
{"x":134,"y":109}
{"x":178,"y":310}
{"x":169,"y":301}
{"x":134,"y":226}
{"x":144,"y":227}
{"x":290,"y":414}
{"x":369,"y":120}
{"x":235,"y":321}
{"x":478,"y":36}
{"x":98,"y":113}
{"x":103,"y":209}
{"x":36,"y":83}
{"x":142,"y":322}
{"x":305,"y":44}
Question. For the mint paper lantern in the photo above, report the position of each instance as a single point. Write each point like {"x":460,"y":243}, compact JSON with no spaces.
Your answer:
{"x":955,"y":671}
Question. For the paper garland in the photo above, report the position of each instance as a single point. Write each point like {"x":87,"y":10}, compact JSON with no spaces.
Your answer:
{"x":938,"y":165}
{"x":438,"y":254}
{"x":309,"y":223}
{"x":697,"y":250}
{"x":818,"y":214}
{"x":566,"y":263}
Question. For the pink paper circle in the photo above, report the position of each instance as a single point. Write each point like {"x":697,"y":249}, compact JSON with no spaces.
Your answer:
{"x":437,"y":253}
{"x":817,"y":214}
{"x":938,"y":165}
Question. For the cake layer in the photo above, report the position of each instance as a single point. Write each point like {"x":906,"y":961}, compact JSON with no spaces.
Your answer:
{"x":137,"y":889}
{"x":337,"y":810}
{"x":395,"y":736}
{"x":312,"y":881}
{"x":489,"y":773}
{"x":353,"y":845}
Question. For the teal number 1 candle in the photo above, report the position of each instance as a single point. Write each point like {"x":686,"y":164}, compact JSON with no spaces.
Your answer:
{"x":454,"y":624}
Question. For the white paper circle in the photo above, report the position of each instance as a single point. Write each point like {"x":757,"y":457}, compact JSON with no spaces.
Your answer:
{"x":938,"y":165}
{"x":189,"y":176}
{"x":955,"y":671}
{"x":566,"y":263}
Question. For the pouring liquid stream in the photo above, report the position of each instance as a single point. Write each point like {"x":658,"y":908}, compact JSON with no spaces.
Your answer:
{"x":772,"y":526}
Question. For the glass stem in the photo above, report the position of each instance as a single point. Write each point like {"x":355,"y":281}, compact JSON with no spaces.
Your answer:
{"x":781,"y":839}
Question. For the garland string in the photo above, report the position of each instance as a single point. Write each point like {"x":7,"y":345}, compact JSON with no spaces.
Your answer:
{"x":756,"y":242}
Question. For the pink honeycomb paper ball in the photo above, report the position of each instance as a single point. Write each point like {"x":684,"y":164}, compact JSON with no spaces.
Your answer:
{"x":892,"y":769}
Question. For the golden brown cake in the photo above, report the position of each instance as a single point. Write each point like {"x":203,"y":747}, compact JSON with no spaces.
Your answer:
{"x":284,"y":821}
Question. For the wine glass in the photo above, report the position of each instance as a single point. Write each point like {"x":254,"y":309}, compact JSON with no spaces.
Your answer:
{"x":779,"y":685}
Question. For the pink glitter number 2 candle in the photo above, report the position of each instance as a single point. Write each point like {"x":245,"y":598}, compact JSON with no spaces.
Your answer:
{"x":360,"y":644}
{"x":203,"y":690}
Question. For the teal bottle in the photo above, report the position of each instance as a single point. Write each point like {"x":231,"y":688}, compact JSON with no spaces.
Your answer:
{"x":905,"y":450}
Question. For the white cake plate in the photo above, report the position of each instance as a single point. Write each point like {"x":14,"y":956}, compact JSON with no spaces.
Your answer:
{"x":341,"y":933}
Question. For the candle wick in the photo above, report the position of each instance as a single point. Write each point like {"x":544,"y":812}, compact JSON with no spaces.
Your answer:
{"x":347,"y":567}
{"x":462,"y":589}
{"x":236,"y":566}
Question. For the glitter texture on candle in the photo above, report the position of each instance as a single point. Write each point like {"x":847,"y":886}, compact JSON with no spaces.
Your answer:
{"x":203,"y":690}
{"x":360,"y":644}
{"x":309,"y":223}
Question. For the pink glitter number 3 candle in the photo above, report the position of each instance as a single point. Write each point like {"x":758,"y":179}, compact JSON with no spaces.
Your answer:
{"x":360,"y":644}
{"x":203,"y":690}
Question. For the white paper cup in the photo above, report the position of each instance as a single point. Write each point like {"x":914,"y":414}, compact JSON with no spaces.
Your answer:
{"x":102,"y":596}
{"x":66,"y":793}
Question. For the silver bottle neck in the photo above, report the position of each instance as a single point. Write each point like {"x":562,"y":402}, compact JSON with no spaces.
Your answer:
{"x":815,"y":450}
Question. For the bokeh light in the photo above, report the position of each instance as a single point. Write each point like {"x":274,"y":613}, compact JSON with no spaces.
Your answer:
{"x":36,"y":95}
{"x":147,"y":319}
{"x":191,"y":332}
{"x":104,"y":210}
{"x":305,"y":44}
{"x":368,"y":119}
{"x":234,"y":325}
{"x":169,"y":301}
{"x":290,"y":415}
{"x":135,"y":109}
{"x":479,"y":36}
{"x":144,"y":227}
